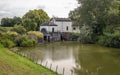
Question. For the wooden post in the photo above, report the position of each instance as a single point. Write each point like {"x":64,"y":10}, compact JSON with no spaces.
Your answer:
{"x":36,"y":60}
{"x":41,"y":62}
{"x":71,"y":72}
{"x":46,"y":64}
{"x":63,"y":71}
{"x":50,"y":66}
{"x":56,"y":68}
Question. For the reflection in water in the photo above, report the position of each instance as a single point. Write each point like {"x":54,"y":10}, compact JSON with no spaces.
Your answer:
{"x":83,"y":59}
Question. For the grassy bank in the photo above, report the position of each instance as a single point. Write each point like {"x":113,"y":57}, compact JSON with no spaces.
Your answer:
{"x":13,"y":64}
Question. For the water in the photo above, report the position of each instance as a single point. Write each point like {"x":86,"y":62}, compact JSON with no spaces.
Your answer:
{"x":73,"y":56}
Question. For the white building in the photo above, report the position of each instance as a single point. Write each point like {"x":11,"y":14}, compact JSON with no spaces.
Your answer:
{"x":59,"y":25}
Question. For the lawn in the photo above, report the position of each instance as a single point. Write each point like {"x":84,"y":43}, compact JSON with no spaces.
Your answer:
{"x":13,"y":64}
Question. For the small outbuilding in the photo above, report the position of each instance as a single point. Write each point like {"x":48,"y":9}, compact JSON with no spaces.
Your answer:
{"x":57,"y":27}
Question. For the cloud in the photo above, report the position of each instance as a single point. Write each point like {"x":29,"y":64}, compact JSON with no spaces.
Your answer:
{"x":41,"y":7}
{"x":11,"y":8}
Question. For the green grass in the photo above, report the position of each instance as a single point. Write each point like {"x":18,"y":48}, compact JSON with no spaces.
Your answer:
{"x":13,"y":64}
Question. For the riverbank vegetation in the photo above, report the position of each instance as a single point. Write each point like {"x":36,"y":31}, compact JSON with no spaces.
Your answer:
{"x":98,"y":21}
{"x":23,"y":31}
{"x":13,"y":64}
{"x":14,"y":37}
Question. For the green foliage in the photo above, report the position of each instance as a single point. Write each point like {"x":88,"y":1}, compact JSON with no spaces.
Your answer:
{"x":17,"y":20}
{"x":111,"y":36}
{"x":36,"y":33}
{"x":12,"y":34}
{"x":19,"y":29}
{"x":4,"y":29}
{"x":34,"y":18}
{"x":7,"y":38}
{"x":8,"y":35}
{"x":28,"y":43}
{"x":25,"y":41}
{"x":10,"y":22}
{"x":15,"y":36}
{"x":75,"y":36}
{"x":6,"y":22}
{"x":75,"y":17}
{"x":7,"y":43}
{"x":98,"y":18}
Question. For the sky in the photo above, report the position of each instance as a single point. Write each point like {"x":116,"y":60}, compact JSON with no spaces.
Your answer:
{"x":58,"y":8}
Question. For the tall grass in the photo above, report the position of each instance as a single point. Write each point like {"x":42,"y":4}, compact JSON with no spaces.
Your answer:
{"x":13,"y":64}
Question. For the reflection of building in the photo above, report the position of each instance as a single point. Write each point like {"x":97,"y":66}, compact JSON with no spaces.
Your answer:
{"x":58,"y":53}
{"x":58,"y":28}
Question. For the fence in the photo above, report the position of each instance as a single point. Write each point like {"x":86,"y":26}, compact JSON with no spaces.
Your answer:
{"x":47,"y":65}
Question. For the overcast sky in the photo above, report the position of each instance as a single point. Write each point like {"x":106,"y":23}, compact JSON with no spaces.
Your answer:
{"x":59,"y":8}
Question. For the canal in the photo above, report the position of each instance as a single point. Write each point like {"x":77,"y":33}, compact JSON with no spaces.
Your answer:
{"x":82,"y":59}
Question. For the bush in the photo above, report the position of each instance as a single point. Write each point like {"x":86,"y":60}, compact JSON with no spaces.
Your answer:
{"x":36,"y":33}
{"x":110,"y":37}
{"x":7,"y":43}
{"x":75,"y":36}
{"x":12,"y":34}
{"x":19,"y":29}
{"x":25,"y":41}
{"x":9,"y":35}
{"x":5,"y":29}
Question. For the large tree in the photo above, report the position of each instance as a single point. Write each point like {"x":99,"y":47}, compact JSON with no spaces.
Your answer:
{"x":17,"y":20}
{"x":10,"y":22}
{"x":34,"y":18}
{"x":91,"y":16}
{"x":7,"y":22}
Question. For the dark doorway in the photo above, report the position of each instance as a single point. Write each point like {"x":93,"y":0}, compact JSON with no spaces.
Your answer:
{"x":45,"y":38}
{"x":43,"y":30}
{"x":48,"y":38}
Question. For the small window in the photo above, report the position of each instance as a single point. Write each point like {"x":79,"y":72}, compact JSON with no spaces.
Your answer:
{"x":74,"y":28}
{"x":53,"y":29}
{"x":67,"y":28}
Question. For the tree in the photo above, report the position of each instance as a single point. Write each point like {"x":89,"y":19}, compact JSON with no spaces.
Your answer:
{"x":34,"y":18}
{"x":7,"y":22}
{"x":19,"y":29}
{"x":10,"y":22}
{"x":92,"y":16}
{"x":17,"y":20}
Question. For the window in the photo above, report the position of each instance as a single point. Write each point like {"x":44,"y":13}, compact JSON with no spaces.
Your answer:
{"x":53,"y":29}
{"x":67,"y":28}
{"x":74,"y":28}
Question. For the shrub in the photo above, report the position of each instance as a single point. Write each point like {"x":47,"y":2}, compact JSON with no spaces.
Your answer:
{"x":19,"y":29}
{"x":7,"y":43}
{"x":9,"y":35}
{"x":36,"y":33}
{"x":75,"y":36}
{"x":5,"y":29}
{"x":12,"y":34}
{"x":25,"y":41}
{"x":110,"y":37}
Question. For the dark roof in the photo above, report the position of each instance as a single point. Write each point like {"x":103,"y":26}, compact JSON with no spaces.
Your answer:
{"x":48,"y":24}
{"x":62,"y":19}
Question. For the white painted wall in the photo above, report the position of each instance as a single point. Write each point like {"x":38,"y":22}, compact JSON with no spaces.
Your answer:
{"x":77,"y":30}
{"x":62,"y":26}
